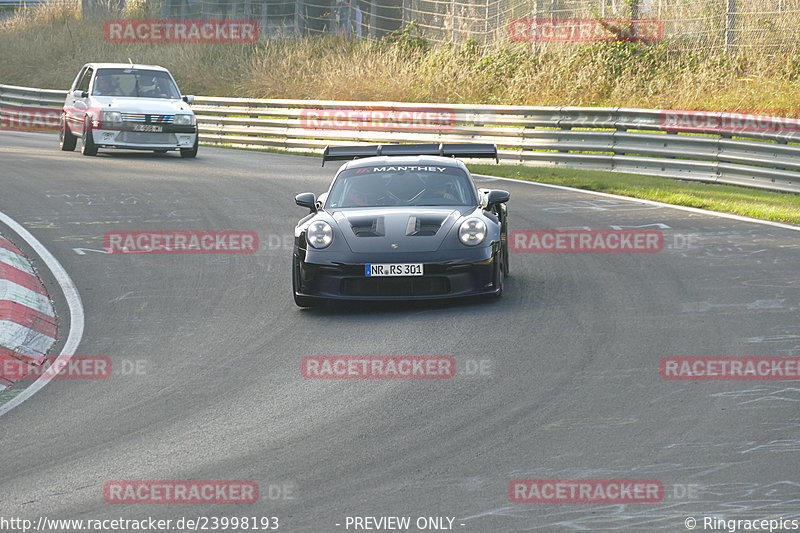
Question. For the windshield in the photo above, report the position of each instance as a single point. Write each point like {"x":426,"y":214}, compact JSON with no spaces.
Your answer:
{"x":407,"y":185}
{"x":135,"y":82}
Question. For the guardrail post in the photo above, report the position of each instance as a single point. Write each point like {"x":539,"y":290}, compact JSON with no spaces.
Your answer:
{"x":781,"y":140}
{"x":730,"y":27}
{"x":477,"y":121}
{"x":299,"y":21}
{"x":564,"y":127}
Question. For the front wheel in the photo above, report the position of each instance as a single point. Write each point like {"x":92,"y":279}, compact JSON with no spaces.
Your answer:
{"x":190,"y":152}
{"x":66,"y":140}
{"x":88,"y":147}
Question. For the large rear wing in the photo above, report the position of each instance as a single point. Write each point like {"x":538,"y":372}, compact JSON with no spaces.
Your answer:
{"x":467,"y":150}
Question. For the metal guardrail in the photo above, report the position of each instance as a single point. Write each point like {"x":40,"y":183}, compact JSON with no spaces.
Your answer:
{"x":10,"y":95}
{"x":26,"y":108}
{"x":754,"y":151}
{"x":21,"y":3}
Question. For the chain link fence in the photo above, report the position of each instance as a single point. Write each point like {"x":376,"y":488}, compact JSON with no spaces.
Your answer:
{"x":702,"y":25}
{"x":684,"y":24}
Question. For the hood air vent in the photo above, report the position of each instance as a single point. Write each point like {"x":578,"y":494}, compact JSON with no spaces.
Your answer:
{"x":368,"y":226}
{"x":424,"y":226}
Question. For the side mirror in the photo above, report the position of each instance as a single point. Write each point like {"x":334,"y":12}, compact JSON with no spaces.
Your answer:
{"x":497,"y":196}
{"x":80,"y":94}
{"x":307,"y":199}
{"x":188,"y":98}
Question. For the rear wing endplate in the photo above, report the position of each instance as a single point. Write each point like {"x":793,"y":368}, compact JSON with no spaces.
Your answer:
{"x":466,"y":150}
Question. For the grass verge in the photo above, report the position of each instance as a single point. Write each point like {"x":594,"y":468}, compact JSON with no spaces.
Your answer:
{"x":766,"y":205}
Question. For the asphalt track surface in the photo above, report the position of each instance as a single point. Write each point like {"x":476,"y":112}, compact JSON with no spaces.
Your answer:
{"x":570,"y":388}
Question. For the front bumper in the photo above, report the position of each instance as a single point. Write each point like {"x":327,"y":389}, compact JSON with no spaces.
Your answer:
{"x":469,"y":273}
{"x":172,"y":138}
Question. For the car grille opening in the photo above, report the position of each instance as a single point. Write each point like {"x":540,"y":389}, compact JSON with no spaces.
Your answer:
{"x":152,"y":119}
{"x":136,"y":137}
{"x":411,"y":286}
{"x":133,"y":117}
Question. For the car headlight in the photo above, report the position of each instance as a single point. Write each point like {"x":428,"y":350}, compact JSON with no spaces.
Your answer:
{"x":112,"y":116}
{"x":472,"y":232}
{"x":320,"y":234}
{"x":184,"y":120}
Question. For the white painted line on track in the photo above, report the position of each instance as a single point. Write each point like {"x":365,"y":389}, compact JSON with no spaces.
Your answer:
{"x":73,"y":299}
{"x":695,"y":210}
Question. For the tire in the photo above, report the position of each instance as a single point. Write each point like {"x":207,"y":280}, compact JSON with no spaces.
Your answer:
{"x":88,"y":147}
{"x":66,"y":140}
{"x":190,"y":152}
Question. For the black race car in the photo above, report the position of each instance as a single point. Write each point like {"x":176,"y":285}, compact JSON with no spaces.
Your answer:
{"x":401,"y":222}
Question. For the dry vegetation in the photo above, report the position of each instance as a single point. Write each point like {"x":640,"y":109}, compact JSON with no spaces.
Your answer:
{"x":45,"y":48}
